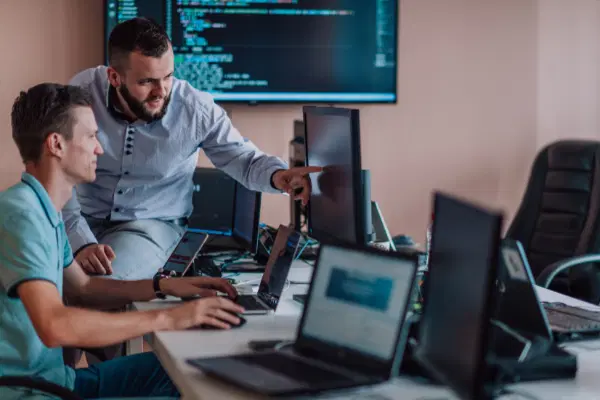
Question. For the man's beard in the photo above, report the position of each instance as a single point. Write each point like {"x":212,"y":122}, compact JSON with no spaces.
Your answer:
{"x":137,"y":107}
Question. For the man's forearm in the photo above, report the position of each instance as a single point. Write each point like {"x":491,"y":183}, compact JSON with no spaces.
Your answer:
{"x":112,"y":293}
{"x":86,"y":328}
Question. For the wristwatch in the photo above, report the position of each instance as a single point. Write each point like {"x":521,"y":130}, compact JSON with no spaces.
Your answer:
{"x":156,"y":283}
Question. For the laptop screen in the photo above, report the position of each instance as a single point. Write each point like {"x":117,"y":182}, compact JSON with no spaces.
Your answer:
{"x":278,"y":265}
{"x":459,"y":288}
{"x":358,"y":300}
{"x":185,"y":252}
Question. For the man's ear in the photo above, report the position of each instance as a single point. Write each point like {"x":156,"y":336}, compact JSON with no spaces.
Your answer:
{"x":55,"y":144}
{"x":113,"y":77}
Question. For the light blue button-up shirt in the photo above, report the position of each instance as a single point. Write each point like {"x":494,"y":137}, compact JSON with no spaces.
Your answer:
{"x":147,"y":168}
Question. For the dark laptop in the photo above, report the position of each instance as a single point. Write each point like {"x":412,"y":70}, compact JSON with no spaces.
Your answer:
{"x":461,"y":341}
{"x":350,"y":334}
{"x":521,"y":308}
{"x":181,"y":259}
{"x":273,"y":279}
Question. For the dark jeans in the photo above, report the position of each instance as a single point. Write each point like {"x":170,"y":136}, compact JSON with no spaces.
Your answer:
{"x":139,"y":375}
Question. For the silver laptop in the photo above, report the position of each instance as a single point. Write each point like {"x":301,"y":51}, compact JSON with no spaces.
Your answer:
{"x":351,"y":332}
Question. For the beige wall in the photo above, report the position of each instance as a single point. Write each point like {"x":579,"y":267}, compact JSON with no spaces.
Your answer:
{"x":482,"y":85}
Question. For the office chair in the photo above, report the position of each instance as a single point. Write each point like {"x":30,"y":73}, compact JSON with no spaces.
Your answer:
{"x":40,"y":386}
{"x":558,"y":221}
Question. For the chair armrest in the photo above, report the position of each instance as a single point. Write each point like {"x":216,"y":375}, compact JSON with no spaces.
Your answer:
{"x":549,"y":273}
{"x":40,"y":385}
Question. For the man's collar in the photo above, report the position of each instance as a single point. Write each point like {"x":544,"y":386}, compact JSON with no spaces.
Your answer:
{"x":43,"y":196}
{"x":112,"y":103}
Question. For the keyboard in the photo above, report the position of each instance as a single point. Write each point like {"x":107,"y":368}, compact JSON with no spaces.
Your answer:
{"x":571,"y":322}
{"x":293,"y":368}
{"x":577,"y":311}
{"x":250,"y":303}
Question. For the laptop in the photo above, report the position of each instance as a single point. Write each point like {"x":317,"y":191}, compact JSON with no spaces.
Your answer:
{"x":522,"y":310}
{"x":273,"y":279}
{"x":461,"y":341}
{"x":182,"y":258}
{"x":350,"y":333}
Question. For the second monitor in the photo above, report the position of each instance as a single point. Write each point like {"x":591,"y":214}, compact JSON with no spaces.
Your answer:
{"x":226,"y":210}
{"x":339,"y":209}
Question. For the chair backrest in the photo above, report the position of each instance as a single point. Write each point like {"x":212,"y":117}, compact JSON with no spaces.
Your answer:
{"x":559,"y":215}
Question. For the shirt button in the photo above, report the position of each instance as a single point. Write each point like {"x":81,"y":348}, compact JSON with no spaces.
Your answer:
{"x":120,"y":192}
{"x":129,"y":146}
{"x":126,"y":173}
{"x":129,"y":139}
{"x":117,"y":209}
{"x":128,"y":152}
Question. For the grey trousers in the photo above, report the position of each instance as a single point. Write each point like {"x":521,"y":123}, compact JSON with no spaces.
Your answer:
{"x":141,"y":247}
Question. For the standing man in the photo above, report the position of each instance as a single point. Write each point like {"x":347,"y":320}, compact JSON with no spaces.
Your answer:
{"x":55,"y":131}
{"x":151,"y":126}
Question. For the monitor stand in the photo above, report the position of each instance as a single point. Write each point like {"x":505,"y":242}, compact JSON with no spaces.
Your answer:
{"x":381,"y":233}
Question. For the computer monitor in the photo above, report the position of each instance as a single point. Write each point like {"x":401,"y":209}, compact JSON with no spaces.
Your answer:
{"x":454,"y":328}
{"x":213,"y":201}
{"x":278,"y":51}
{"x":339,"y":203}
{"x":226,"y":210}
{"x":246,"y":218}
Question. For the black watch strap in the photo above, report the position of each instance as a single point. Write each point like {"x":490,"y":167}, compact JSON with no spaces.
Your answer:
{"x":156,"y":284}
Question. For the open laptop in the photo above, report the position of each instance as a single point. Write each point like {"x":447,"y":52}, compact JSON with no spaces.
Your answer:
{"x":273,"y":279}
{"x":521,"y":309}
{"x":182,"y":258}
{"x":350,"y":333}
{"x":461,"y":342}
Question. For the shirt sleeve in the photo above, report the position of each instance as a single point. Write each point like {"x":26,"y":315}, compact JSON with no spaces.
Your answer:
{"x":238,"y":157}
{"x":78,"y":230}
{"x":24,"y":252}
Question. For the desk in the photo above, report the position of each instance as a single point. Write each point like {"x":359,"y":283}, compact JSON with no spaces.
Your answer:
{"x":173,"y":348}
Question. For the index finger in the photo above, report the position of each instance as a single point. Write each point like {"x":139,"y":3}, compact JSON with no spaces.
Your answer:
{"x":109,"y":252}
{"x":224,"y":286}
{"x":307,"y":170}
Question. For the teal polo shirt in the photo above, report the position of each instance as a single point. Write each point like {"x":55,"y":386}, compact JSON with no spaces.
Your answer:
{"x":33,"y":246}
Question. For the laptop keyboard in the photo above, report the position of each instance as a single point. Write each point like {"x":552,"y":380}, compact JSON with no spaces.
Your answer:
{"x":293,"y":368}
{"x":578,"y":312}
{"x":571,"y":322}
{"x":250,"y":303}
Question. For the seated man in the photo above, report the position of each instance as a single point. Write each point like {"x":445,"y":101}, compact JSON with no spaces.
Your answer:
{"x":54,"y":129}
{"x":151,"y":125}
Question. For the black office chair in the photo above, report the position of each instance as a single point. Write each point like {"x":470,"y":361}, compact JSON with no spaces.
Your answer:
{"x":40,"y":386}
{"x":558,"y":221}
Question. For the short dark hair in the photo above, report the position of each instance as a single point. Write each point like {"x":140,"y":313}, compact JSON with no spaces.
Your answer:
{"x":42,"y":110}
{"x":137,"y":34}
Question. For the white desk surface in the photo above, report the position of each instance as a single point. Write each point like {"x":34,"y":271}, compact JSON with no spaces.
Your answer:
{"x":173,"y":348}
